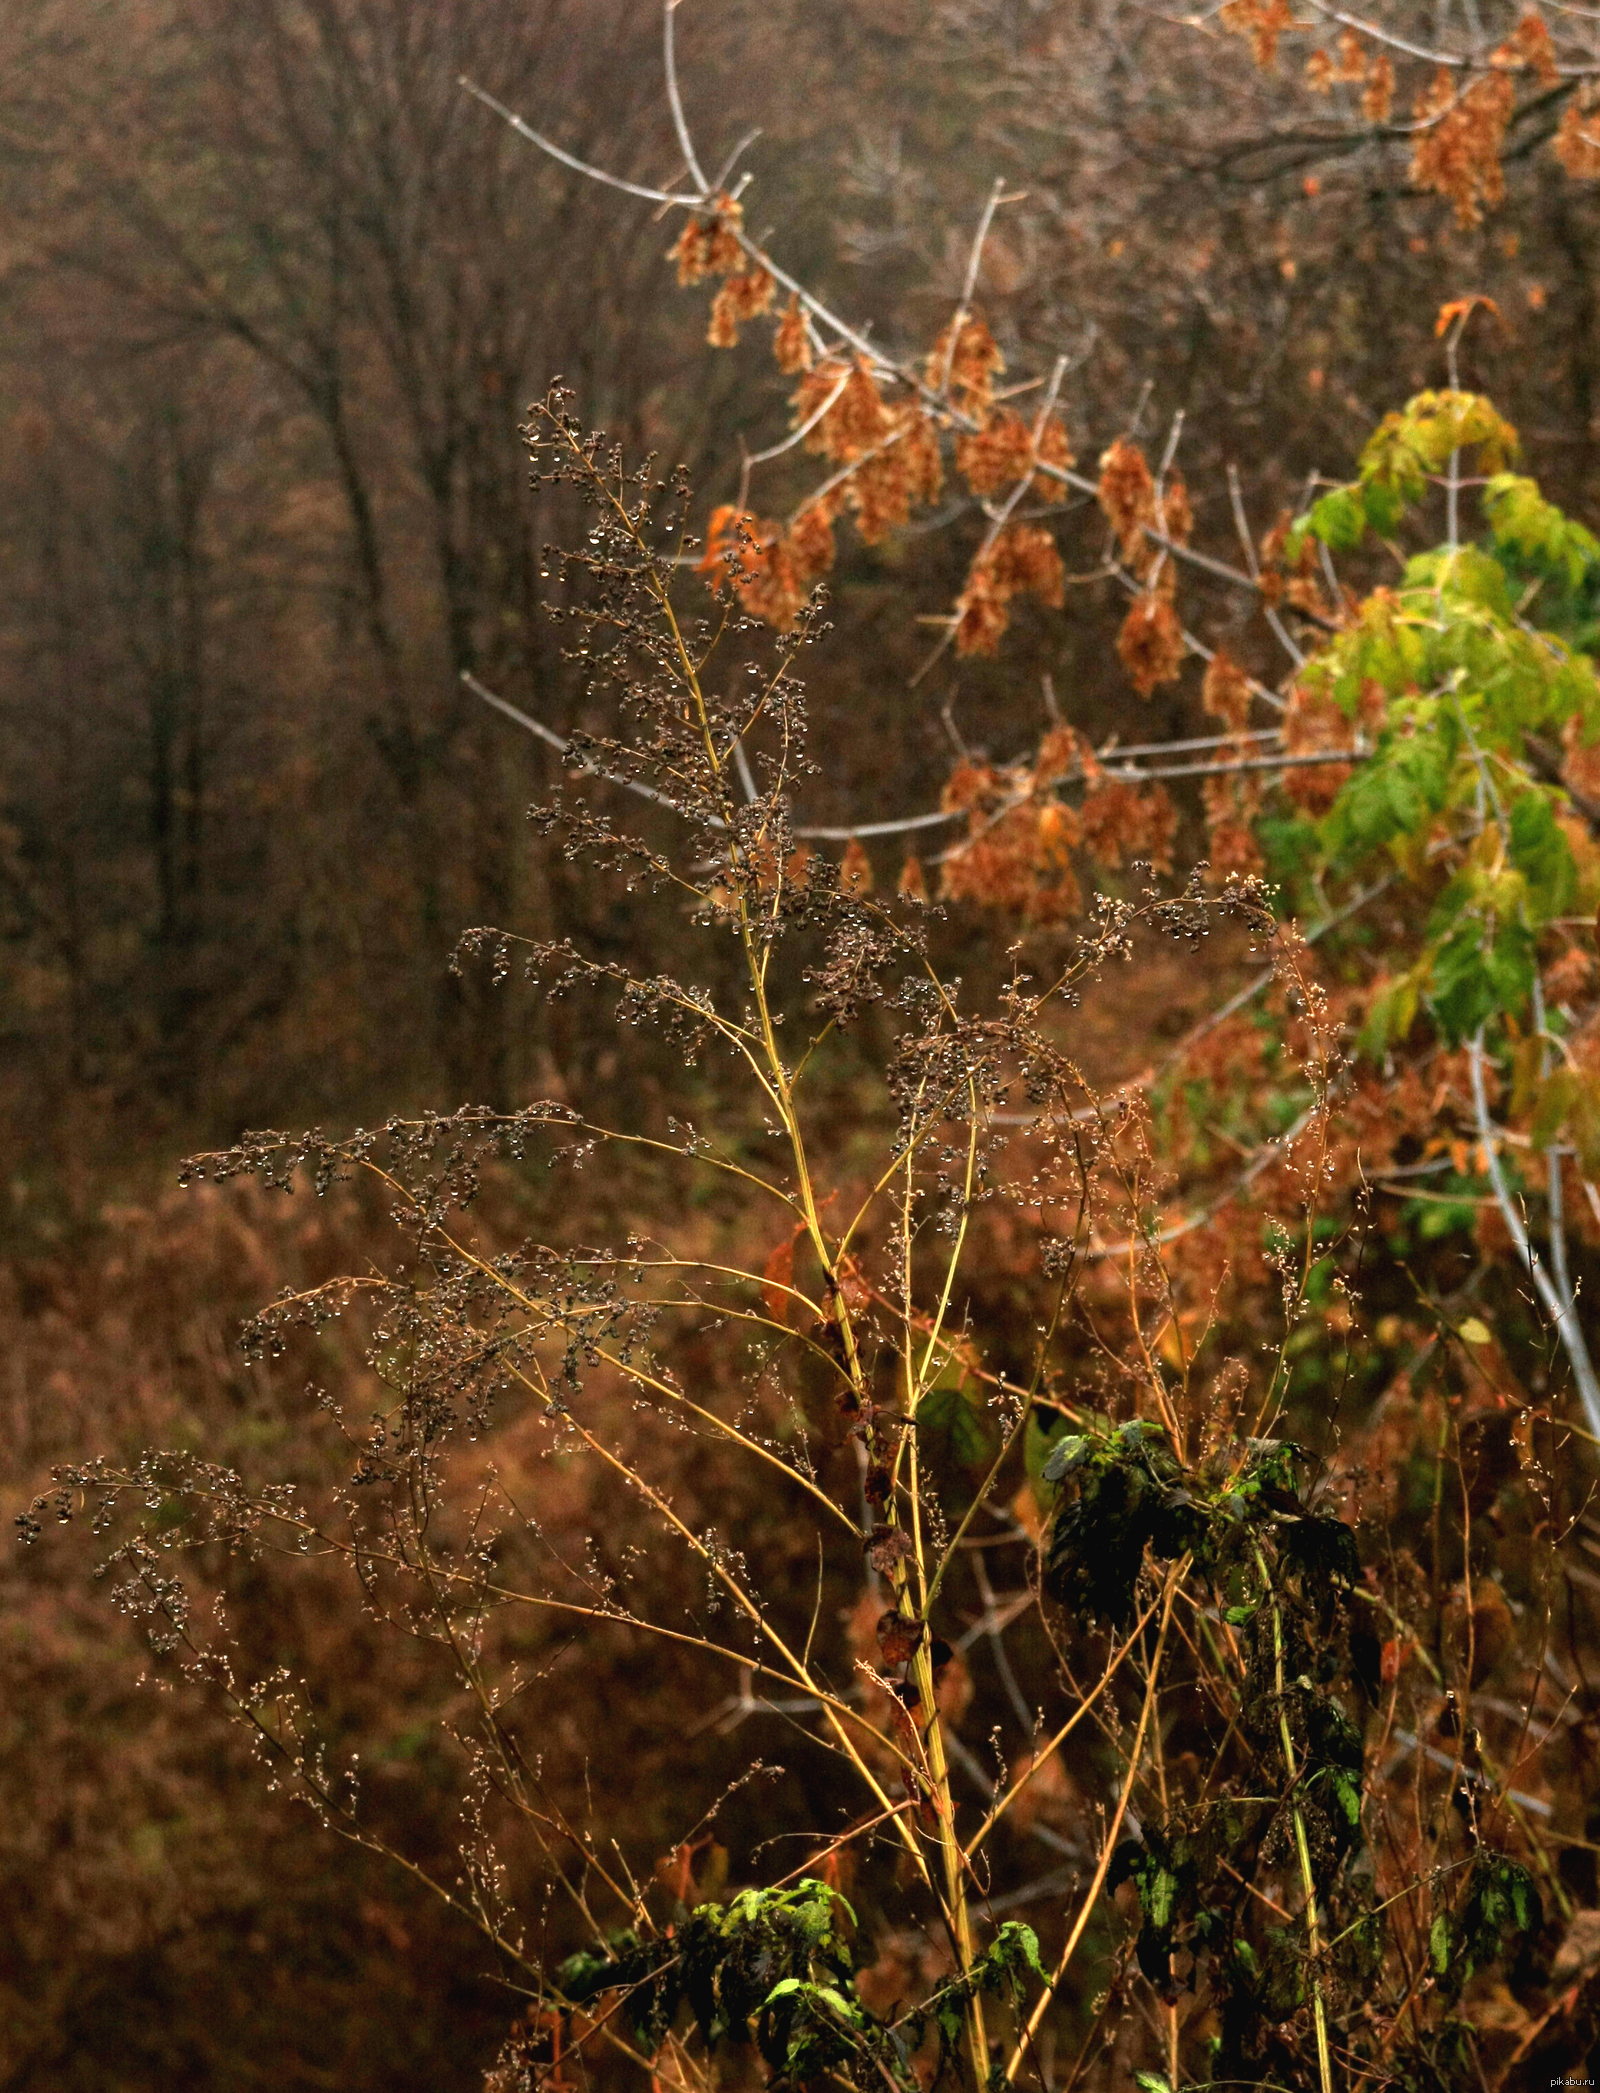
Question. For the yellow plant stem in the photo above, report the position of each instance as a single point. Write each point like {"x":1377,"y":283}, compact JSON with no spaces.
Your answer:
{"x":1301,"y":1845}
{"x":1108,"y":1843}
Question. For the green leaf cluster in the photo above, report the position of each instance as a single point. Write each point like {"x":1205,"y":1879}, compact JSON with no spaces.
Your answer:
{"x":1284,"y":1577}
{"x":773,"y":1967}
{"x":1176,"y":1870}
{"x":1549,"y":558}
{"x":1406,"y":452}
{"x":1124,"y":1489}
{"x":1127,"y":1491}
{"x":1001,"y":1971}
{"x":1498,"y":1915}
{"x":1456,"y":689}
{"x":770,"y":1966}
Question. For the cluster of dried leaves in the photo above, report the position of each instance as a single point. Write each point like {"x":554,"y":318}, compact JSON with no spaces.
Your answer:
{"x":1464,"y":103}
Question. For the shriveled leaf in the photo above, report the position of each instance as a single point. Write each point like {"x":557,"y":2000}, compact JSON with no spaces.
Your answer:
{"x":899,"y":1636}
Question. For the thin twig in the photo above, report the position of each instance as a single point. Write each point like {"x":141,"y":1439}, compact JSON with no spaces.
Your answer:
{"x":679,"y":122}
{"x":1562,"y":1310}
{"x":1268,"y":1155}
{"x":1108,"y":1842}
{"x":974,"y":261}
{"x":556,"y":152}
{"x":811,"y":833}
{"x":1241,"y":524}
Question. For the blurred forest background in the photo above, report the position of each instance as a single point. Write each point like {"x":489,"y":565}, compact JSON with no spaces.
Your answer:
{"x":274,"y":297}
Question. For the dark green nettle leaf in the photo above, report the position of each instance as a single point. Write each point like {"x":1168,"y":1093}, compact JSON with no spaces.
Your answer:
{"x":770,"y":1966}
{"x":1271,"y":1471}
{"x":1332,"y":1738}
{"x":1098,"y":1538}
{"x":1163,"y":1872}
{"x":1320,"y":1551}
{"x":1358,"y":1949}
{"x":1283,"y":1974}
{"x":1042,"y":1441}
{"x":1008,"y":1961}
{"x":1498,"y":1915}
{"x":1266,"y":1985}
{"x":1124,"y":1490}
{"x":955,"y":1425}
{"x":1000,"y":1972}
{"x":585,"y":1975}
{"x":1064,"y":1456}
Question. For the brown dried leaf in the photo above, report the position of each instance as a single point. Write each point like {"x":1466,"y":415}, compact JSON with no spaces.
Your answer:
{"x":1127,"y":494}
{"x":1225,"y":691}
{"x":1150,"y":644}
{"x":791,"y":342}
{"x":889,"y":1545}
{"x":899,"y":1637}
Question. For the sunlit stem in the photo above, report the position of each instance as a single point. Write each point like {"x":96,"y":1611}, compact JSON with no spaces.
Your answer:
{"x":1308,"y":1881}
